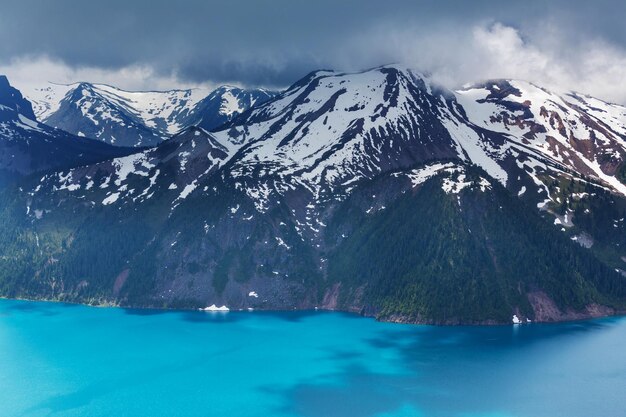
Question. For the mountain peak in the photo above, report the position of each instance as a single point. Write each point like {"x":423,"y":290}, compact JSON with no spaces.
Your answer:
{"x":4,"y":82}
{"x":12,"y":98}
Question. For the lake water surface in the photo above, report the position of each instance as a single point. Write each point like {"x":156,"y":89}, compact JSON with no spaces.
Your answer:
{"x":65,"y":360}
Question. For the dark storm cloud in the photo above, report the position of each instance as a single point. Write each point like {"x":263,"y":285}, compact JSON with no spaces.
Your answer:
{"x":276,"y":42}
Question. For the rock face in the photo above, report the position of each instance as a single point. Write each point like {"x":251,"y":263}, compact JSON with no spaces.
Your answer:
{"x":546,"y":310}
{"x":376,"y":192}
{"x":138,"y":118}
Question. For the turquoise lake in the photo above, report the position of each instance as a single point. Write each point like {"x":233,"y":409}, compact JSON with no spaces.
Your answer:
{"x":67,"y":360}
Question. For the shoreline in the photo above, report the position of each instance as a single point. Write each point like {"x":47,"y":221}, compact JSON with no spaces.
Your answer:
{"x":395,"y":320}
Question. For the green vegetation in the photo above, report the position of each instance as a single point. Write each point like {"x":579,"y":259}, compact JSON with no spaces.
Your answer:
{"x":595,"y":212}
{"x":429,"y":257}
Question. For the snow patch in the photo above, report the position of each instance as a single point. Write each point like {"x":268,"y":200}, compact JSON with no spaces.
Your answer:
{"x":213,"y":307}
{"x":112,"y":198}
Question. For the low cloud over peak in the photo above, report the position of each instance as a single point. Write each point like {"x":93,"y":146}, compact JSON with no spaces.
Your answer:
{"x":562,"y":45}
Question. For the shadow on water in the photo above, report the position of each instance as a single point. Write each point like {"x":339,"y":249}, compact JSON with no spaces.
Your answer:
{"x":191,"y":316}
{"x":197,"y":316}
{"x":214,"y":317}
{"x":343,"y":355}
{"x":411,"y":339}
{"x":296,"y":316}
{"x":438,"y":365}
{"x":146,"y":311}
{"x":354,"y":392}
{"x":238,"y":316}
{"x":45,"y":308}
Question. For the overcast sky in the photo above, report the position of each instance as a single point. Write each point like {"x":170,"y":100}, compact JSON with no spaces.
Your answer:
{"x":143,"y":44}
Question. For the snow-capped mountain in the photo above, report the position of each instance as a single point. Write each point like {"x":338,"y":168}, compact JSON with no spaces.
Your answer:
{"x":27,"y":146}
{"x":137,"y":118}
{"x":224,"y":104}
{"x":584,"y":135}
{"x":176,"y":166}
{"x":416,"y":189}
{"x":333,"y":129}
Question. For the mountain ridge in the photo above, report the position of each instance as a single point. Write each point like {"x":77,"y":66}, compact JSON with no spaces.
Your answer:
{"x":28,"y":147}
{"x":288,"y":195}
{"x":137,"y":118}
